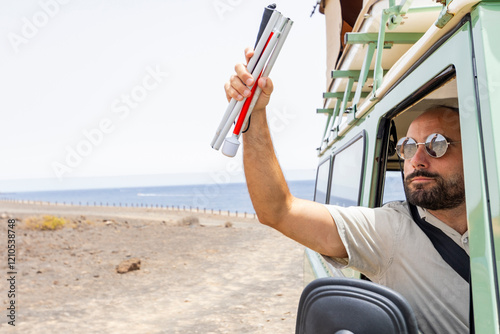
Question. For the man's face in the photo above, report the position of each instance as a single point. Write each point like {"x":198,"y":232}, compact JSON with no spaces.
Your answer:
{"x":435,"y":183}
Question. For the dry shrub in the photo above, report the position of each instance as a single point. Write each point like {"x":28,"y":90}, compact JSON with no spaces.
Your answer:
{"x":45,"y":223}
{"x":189,"y":221}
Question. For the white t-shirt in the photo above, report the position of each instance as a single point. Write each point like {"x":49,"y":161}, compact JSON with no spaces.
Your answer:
{"x":387,"y":246}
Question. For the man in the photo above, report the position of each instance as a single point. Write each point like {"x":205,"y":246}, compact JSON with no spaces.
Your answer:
{"x":383,"y":243}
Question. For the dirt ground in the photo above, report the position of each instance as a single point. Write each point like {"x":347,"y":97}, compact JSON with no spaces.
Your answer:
{"x":199,"y":273}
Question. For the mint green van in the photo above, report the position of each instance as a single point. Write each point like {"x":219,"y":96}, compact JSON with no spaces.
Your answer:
{"x":398,"y":60}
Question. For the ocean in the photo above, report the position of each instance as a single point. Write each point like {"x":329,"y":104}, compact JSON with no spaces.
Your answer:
{"x":232,"y":197}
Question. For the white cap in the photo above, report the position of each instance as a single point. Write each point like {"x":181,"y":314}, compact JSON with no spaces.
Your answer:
{"x":230,"y":147}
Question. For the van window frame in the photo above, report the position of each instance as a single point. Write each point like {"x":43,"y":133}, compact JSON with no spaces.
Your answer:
{"x":360,"y":136}
{"x":327,"y":193}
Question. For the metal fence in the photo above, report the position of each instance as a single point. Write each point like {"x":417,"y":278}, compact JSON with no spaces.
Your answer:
{"x":137,"y":205}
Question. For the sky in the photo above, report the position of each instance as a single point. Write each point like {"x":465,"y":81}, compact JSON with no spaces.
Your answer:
{"x":130,"y":92}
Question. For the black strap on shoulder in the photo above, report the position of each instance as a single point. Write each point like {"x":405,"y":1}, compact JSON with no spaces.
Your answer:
{"x":452,"y":253}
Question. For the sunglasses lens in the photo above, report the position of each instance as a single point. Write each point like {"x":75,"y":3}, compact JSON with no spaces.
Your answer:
{"x":436,"y":145}
{"x":406,"y":148}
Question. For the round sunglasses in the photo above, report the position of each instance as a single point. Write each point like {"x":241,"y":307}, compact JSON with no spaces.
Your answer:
{"x":436,"y":146}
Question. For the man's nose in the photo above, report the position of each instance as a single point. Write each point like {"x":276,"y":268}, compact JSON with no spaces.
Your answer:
{"x":421,"y":158}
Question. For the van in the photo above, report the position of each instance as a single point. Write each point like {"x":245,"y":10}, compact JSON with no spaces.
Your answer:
{"x":397,"y":60}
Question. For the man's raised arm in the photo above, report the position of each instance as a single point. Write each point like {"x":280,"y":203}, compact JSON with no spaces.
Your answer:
{"x":306,"y":222}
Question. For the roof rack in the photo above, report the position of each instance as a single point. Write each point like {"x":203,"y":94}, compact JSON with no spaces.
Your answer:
{"x":351,"y":85}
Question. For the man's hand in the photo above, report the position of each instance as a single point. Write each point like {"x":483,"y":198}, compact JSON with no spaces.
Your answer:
{"x":237,"y":86}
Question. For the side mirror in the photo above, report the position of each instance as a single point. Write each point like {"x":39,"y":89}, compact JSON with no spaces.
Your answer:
{"x":340,"y":306}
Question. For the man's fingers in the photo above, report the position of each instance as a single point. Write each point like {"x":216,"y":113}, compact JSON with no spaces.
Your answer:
{"x":243,"y":74}
{"x":266,"y":84}
{"x":248,"y":53}
{"x":238,"y":85}
{"x":237,"y":89}
{"x":230,"y":92}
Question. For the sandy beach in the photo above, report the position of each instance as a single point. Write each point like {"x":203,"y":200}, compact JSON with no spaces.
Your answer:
{"x":199,"y":273}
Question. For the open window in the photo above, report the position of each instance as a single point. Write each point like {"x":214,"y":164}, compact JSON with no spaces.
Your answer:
{"x":442,"y":91}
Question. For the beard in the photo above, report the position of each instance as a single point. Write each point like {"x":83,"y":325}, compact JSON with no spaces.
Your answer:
{"x":443,"y":195}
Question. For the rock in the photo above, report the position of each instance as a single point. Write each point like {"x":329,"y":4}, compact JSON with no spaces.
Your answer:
{"x":128,"y":265}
